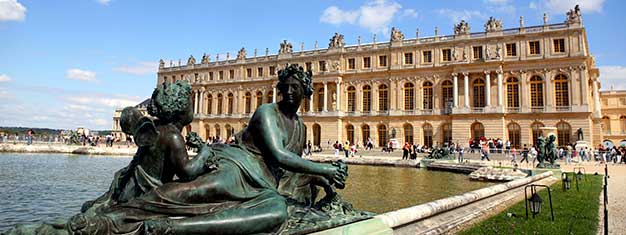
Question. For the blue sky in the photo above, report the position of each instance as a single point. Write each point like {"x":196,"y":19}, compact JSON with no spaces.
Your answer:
{"x":70,"y":63}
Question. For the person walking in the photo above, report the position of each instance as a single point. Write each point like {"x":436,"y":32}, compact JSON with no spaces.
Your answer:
{"x":485,"y":153}
{"x":309,"y":148}
{"x":524,"y":154}
{"x":513,"y":152}
{"x":461,"y":151}
{"x":405,"y":151}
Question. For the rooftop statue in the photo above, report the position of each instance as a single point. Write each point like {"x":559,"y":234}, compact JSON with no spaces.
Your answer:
{"x":493,"y":25}
{"x":205,"y":59}
{"x":579,"y":134}
{"x":257,"y":185}
{"x":241,"y":54}
{"x":396,"y":35}
{"x":573,"y":15}
{"x":285,"y":48}
{"x":461,"y":28}
{"x":161,"y":63}
{"x":191,"y":60}
{"x":336,"y":41}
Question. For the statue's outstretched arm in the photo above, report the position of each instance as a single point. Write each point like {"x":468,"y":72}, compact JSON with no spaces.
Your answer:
{"x":269,"y":141}
{"x":185,"y":168}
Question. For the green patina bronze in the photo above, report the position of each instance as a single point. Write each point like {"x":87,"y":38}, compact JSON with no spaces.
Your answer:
{"x":546,"y":152}
{"x":257,"y":185}
{"x":440,"y":153}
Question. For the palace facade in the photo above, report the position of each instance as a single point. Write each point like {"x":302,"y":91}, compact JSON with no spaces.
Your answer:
{"x":499,"y":83}
{"x":613,"y":117}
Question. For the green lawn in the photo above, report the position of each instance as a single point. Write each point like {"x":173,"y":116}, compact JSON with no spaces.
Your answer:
{"x":574,"y":213}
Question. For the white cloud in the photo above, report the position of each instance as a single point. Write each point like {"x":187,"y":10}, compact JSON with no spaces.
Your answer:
{"x":532,"y":5}
{"x":104,"y":2}
{"x":88,"y":102}
{"x":100,"y":122}
{"x":409,"y":13}
{"x":613,"y":76}
{"x":501,"y":6}
{"x":336,"y":16}
{"x":457,"y":15}
{"x":83,"y":75}
{"x":375,"y":15}
{"x":5,"y":78}
{"x":11,"y":10}
{"x":142,"y":68}
{"x":562,"y":6}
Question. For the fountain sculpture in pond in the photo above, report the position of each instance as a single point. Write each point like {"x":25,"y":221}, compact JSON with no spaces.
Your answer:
{"x":259,"y":184}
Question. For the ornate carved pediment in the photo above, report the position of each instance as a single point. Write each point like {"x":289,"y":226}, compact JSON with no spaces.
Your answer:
{"x":461,"y":28}
{"x":396,"y":35}
{"x":336,"y":41}
{"x":493,"y":25}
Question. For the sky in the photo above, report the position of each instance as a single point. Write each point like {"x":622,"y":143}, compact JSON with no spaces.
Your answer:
{"x":70,"y":63}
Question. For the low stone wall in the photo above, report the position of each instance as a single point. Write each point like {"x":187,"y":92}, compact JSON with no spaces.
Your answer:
{"x":60,"y":148}
{"x":464,"y":168}
{"x":371,"y":161}
{"x":406,"y":216}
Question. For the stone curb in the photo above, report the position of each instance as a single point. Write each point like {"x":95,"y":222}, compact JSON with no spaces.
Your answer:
{"x":409,"y":215}
{"x":19,"y":148}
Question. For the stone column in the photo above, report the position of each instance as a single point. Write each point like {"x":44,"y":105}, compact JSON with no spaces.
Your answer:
{"x":274,"y":94}
{"x":338,"y":101}
{"x":548,"y":103}
{"x":499,"y":72}
{"x":466,"y":89}
{"x":455,"y":90}
{"x":311,"y":108}
{"x":584,"y":85}
{"x":325,"y":97}
{"x":487,"y":89}
{"x":201,"y":106}
{"x":596,"y":98}
{"x":195,"y":102}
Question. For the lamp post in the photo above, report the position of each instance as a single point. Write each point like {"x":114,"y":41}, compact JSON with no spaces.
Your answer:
{"x":580,"y":175}
{"x":567,"y":182}
{"x":535,"y":201}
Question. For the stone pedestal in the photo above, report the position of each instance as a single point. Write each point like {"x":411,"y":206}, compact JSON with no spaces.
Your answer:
{"x":547,"y":131}
{"x":395,"y":143}
{"x":581,"y":144}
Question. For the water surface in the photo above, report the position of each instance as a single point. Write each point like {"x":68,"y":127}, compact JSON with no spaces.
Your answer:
{"x":41,"y":187}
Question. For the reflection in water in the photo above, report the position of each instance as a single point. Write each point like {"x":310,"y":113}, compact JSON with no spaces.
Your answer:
{"x":383,"y":189}
{"x":41,"y":187}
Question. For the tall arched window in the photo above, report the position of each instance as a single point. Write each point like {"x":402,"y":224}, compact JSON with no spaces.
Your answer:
{"x":563,"y":133}
{"x":218,"y":132}
{"x":427,"y":89}
{"x":536,"y":131}
{"x":479,"y":93}
{"x":350,"y":133}
{"x":383,"y":98}
{"x":606,"y":125}
{"x":320,"y":100}
{"x":536,"y":92}
{"x":270,"y":97}
{"x":446,"y":129}
{"x":207,"y":132}
{"x":229,"y":131}
{"x":365,"y":133}
{"x":446,"y":94}
{"x":317,"y":134}
{"x":408,"y":133}
{"x":259,"y":99}
{"x":382,"y":135}
{"x":561,"y":90}
{"x":478,"y":130}
{"x":409,"y":96}
{"x":427,"y":134}
{"x":231,"y":99}
{"x":248,"y":99}
{"x":622,"y":123}
{"x":367,"y":98}
{"x":220,"y":104}
{"x":512,"y":92}
{"x":351,"y":99}
{"x":209,"y":104}
{"x":515,"y":134}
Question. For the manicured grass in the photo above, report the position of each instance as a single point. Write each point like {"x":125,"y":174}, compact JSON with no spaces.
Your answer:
{"x":575,"y":212}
